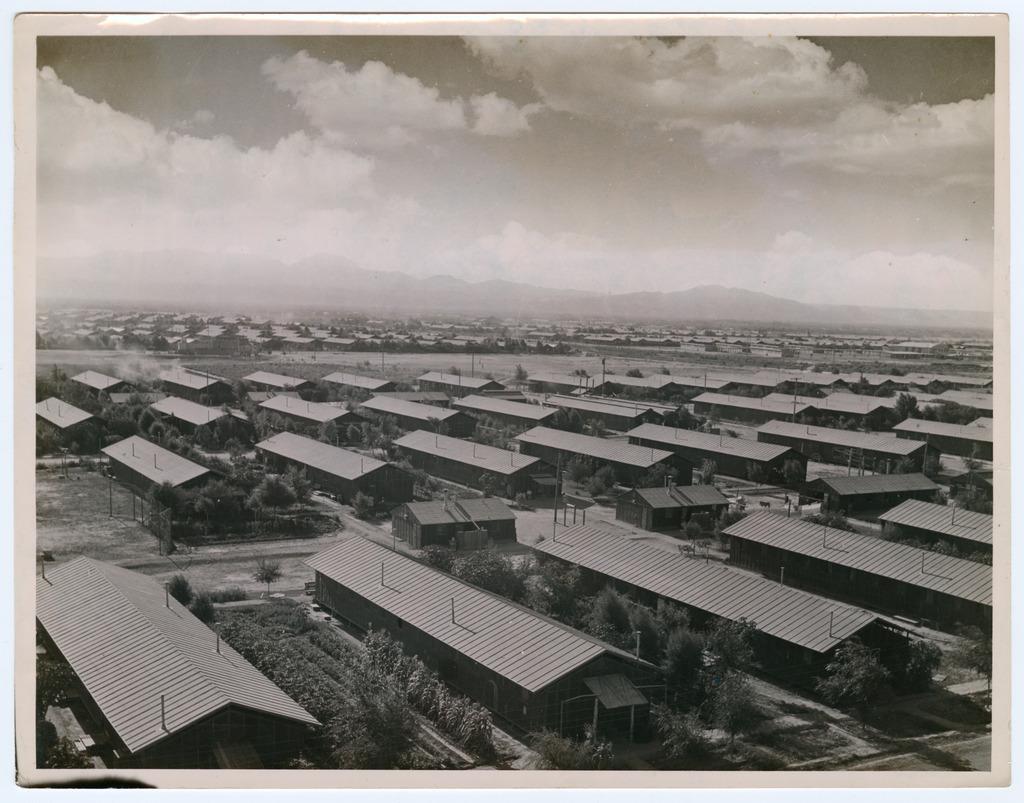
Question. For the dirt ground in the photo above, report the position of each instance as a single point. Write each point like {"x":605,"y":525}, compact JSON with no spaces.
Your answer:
{"x":73,"y":518}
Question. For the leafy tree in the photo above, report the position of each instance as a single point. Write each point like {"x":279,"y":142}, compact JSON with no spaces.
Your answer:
{"x":567,"y":420}
{"x":168,"y":496}
{"x":555,"y":589}
{"x":834,"y":520}
{"x":595,"y":427}
{"x":520,"y":374}
{"x":489,"y":483}
{"x":642,"y":622}
{"x":353,"y":434}
{"x":57,"y":752}
{"x":974,"y":651}
{"x":635,"y":373}
{"x":181,"y":589}
{"x":329,"y":432}
{"x":601,"y":481}
{"x":732,"y":708}
{"x":854,"y":677}
{"x":440,"y":557}
{"x":708,"y":469}
{"x":362,"y":504}
{"x":684,"y":666}
{"x":609,"y":610}
{"x":300,"y":487}
{"x":656,"y":476}
{"x":267,"y":571}
{"x":556,"y":752}
{"x":202,"y":608}
{"x":682,"y":735}
{"x":693,"y":530}
{"x":273,"y":492}
{"x":579,"y":469}
{"x":729,"y":646}
{"x":912,"y":668}
{"x":492,"y":571}
{"x":906,"y":407}
{"x":55,"y":680}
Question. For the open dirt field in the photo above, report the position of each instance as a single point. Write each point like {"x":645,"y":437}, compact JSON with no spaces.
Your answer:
{"x":73,"y":518}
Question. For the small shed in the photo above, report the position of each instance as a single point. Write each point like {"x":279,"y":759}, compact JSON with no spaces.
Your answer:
{"x":855,"y":494}
{"x":669,"y":507}
{"x":464,"y":523}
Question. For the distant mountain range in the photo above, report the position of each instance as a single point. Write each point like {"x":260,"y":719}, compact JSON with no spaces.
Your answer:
{"x":237,"y":283}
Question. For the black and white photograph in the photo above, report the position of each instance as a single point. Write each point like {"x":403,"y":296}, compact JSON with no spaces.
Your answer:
{"x":626,"y":397}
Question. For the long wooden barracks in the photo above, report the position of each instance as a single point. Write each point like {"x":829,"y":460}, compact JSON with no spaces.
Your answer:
{"x":528,"y":670}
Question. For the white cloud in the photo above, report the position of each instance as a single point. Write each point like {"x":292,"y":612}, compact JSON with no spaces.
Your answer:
{"x":770,"y":94}
{"x":369,"y":107}
{"x":500,"y":117}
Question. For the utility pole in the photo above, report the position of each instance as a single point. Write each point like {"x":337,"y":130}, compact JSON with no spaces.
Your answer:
{"x":558,"y":478}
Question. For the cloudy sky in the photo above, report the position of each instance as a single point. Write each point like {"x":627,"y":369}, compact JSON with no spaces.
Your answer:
{"x":837,"y":170}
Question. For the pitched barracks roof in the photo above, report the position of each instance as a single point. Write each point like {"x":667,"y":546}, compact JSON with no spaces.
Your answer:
{"x":457,"y":380}
{"x":319,"y":455}
{"x":682,"y":496}
{"x":869,"y":441}
{"x":130,"y":643}
{"x":941,"y":519}
{"x":747,"y":403}
{"x":488,"y":404}
{"x":613,"y":451}
{"x":388,"y":405}
{"x":275,"y":380}
{"x":312,"y":411}
{"x":187,"y":411}
{"x":96,"y":380}
{"x":786,"y":613}
{"x":528,"y":649}
{"x":918,"y":425}
{"x":947,"y":575}
{"x":189,"y":379}
{"x":153,"y":462}
{"x":61,"y":414}
{"x":878,"y":484}
{"x":723,"y":444}
{"x":488,"y":458}
{"x":355,"y":380}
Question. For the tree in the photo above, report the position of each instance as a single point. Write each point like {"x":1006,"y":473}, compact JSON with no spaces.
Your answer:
{"x":579,"y":469}
{"x":202,"y":607}
{"x":974,"y":651}
{"x":656,"y":476}
{"x":693,"y":530}
{"x":854,"y":677}
{"x":488,"y":483}
{"x":353,"y":434}
{"x":300,"y":487}
{"x":610,"y":612}
{"x":906,"y":407}
{"x":55,"y":681}
{"x":682,"y":735}
{"x":492,"y":571}
{"x":567,"y":420}
{"x":601,"y":481}
{"x":708,"y":469}
{"x":362,"y":505}
{"x":520,"y":374}
{"x":912,"y":668}
{"x":267,"y":571}
{"x":729,"y":647}
{"x":732,"y":708}
{"x":272,"y":492}
{"x":643,"y":624}
{"x":684,"y":666}
{"x":635,"y":373}
{"x":595,"y":427}
{"x":180,"y":588}
{"x":556,"y":752}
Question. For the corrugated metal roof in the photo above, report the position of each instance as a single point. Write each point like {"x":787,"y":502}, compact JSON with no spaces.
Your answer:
{"x":96,"y":380}
{"x":915,"y":425}
{"x":588,"y":404}
{"x":422,"y":396}
{"x":311,"y":411}
{"x":322,"y":456}
{"x":942,"y":519}
{"x":615,"y":691}
{"x":778,"y":610}
{"x":486,"y":458}
{"x":748,"y":403}
{"x":699,"y":381}
{"x":848,"y":403}
{"x":387,"y":405}
{"x":918,"y":567}
{"x":720,"y":444}
{"x":682,"y":496}
{"x":187,"y":411}
{"x":124,"y":398}
{"x":439,"y":511}
{"x":869,"y":441}
{"x":457,"y":380}
{"x":129,"y":646}
{"x":189,"y":379}
{"x":552,"y":378}
{"x":761,"y":379}
{"x":154,"y":462}
{"x":355,"y":380}
{"x":979,"y":401}
{"x":61,"y":414}
{"x":524,"y":647}
{"x":652,"y":382}
{"x":275,"y":380}
{"x":489,"y":404}
{"x":612,"y":451}
{"x":878,"y":483}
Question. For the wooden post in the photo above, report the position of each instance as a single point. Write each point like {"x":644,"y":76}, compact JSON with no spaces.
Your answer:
{"x":595,"y":716}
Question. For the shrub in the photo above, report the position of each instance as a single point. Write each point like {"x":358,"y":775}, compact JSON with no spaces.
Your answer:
{"x":682,"y":735}
{"x":362,"y":505}
{"x":556,"y":752}
{"x":228,"y":594}
{"x":202,"y":608}
{"x":180,"y":588}
{"x":854,"y":677}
